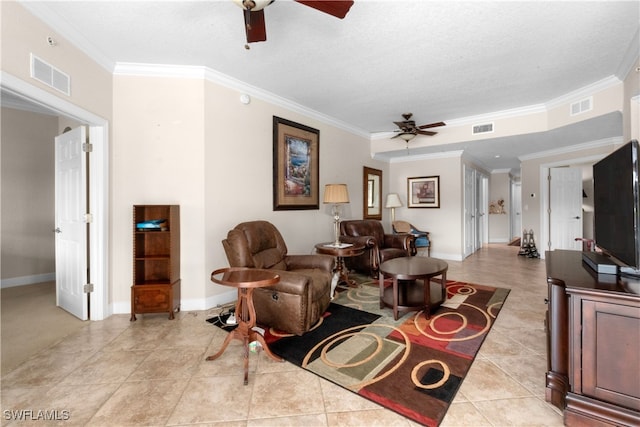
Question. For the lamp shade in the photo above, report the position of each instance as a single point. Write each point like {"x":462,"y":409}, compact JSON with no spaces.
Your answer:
{"x":336,"y":193}
{"x":393,"y":201}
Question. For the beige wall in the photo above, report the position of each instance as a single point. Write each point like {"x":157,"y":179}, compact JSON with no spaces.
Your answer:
{"x":445,"y":223}
{"x":90,"y":84}
{"x":28,"y":243}
{"x":157,"y":158}
{"x":631,"y":104}
{"x":192,"y":142}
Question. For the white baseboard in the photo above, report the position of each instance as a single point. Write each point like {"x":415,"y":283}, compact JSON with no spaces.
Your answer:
{"x":499,"y":240}
{"x":27,"y":280}
{"x":447,"y":256}
{"x":193,"y":304}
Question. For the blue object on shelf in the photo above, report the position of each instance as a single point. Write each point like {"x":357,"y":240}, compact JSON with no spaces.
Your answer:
{"x":152,"y":224}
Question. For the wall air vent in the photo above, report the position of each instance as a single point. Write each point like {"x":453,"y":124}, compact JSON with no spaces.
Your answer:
{"x":483,"y":128}
{"x":582,"y":106}
{"x":50,"y":75}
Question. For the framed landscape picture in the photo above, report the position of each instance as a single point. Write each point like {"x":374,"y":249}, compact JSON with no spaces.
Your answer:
{"x":296,"y":166}
{"x":423,"y":192}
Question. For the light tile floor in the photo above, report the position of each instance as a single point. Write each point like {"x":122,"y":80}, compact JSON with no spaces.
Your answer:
{"x":152,"y":372}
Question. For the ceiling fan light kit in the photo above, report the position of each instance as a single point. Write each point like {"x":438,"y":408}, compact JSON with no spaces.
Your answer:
{"x":407,"y":136}
{"x":253,"y":4}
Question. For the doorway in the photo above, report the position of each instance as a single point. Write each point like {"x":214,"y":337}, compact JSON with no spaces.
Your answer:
{"x":545,"y":203}
{"x":516,"y":208}
{"x":98,"y":187}
{"x":475,"y":218}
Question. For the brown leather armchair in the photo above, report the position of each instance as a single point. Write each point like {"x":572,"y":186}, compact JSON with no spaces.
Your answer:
{"x":379,"y":247}
{"x":301,"y":297}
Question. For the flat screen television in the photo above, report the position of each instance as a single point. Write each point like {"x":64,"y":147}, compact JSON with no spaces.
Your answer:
{"x":616,"y":206}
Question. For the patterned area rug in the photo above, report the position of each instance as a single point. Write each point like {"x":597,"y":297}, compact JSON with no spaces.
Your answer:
{"x":412,"y":366}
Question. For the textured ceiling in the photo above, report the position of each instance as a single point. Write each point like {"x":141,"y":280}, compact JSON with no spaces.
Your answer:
{"x":441,"y":60}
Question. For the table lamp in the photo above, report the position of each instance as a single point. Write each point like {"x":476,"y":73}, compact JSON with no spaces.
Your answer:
{"x":393,"y":202}
{"x":336,"y":194}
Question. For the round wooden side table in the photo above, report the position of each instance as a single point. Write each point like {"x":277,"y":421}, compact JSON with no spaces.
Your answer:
{"x":407,"y":293}
{"x":245,"y":280}
{"x":341,"y":253}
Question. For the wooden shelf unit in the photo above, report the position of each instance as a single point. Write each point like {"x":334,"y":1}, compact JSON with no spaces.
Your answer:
{"x":156,"y":262}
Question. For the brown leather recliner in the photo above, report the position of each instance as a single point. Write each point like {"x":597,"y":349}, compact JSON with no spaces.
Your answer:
{"x":379,"y":247}
{"x":301,"y":297}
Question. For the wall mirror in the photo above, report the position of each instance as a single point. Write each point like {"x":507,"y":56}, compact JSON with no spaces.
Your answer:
{"x":372,"y":190}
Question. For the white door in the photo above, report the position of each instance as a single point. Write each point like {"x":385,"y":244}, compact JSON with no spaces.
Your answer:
{"x":469,"y":211}
{"x":481,"y":184}
{"x":71,"y":226}
{"x":516,"y":210}
{"x":565,"y":208}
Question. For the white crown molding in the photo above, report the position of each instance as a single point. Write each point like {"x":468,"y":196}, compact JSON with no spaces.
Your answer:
{"x":496,"y":115}
{"x":588,"y":90}
{"x":573,"y":148}
{"x":417,"y":157}
{"x":584,"y":92}
{"x":630,"y":57}
{"x":201,"y":72}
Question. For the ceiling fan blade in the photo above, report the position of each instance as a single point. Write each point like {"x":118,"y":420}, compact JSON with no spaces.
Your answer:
{"x":254,"y":26}
{"x":395,"y":136}
{"x":426,"y":132}
{"x":432,"y":125}
{"x":335,"y":8}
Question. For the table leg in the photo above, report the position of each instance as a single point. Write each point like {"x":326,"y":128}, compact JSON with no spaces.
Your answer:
{"x":444,"y":286}
{"x":226,"y":342}
{"x":395,"y":298}
{"x":244,"y":331}
{"x":381,"y":285}
{"x":427,"y":296}
{"x":343,"y":272}
{"x":256,"y":336}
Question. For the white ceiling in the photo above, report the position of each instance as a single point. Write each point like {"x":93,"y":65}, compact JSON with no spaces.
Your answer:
{"x":441,"y":60}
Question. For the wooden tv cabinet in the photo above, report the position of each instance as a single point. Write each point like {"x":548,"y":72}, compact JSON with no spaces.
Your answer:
{"x":593,"y":343}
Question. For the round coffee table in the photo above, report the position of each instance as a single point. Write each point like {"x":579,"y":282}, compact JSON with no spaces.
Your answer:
{"x":411,"y":290}
{"x":245,"y":280}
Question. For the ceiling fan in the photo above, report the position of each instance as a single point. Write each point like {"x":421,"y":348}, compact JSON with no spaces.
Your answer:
{"x":254,"y":14}
{"x":408,"y":129}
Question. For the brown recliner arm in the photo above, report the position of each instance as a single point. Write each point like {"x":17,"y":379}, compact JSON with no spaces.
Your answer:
{"x":367,"y":241}
{"x":400,"y":241}
{"x":319,"y":261}
{"x":290,"y":282}
{"x":370,"y":259}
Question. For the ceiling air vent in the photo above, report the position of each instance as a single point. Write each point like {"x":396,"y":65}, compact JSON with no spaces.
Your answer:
{"x":582,"y":106}
{"x":50,"y":75}
{"x":483,"y":128}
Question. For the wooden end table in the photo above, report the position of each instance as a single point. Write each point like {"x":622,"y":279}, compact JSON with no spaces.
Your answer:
{"x":412,"y":295}
{"x":340,"y":252}
{"x":245,"y":280}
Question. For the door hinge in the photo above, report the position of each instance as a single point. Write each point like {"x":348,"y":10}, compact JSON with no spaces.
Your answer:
{"x":87,"y":147}
{"x":88,"y":218}
{"x":88,"y":288}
